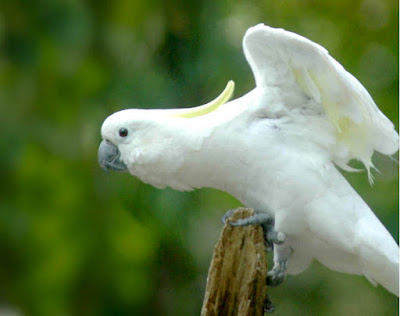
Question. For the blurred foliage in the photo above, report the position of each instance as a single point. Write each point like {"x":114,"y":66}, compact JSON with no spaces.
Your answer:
{"x":76,"y":241}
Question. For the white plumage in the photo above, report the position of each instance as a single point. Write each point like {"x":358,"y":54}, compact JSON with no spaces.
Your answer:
{"x":275,"y":150}
{"x":295,"y":64}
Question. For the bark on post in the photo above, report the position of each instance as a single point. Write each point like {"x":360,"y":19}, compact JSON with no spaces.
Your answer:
{"x":236,"y":282}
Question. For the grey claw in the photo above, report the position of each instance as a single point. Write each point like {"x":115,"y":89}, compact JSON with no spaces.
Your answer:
{"x":268,"y":306}
{"x":277,"y":275}
{"x":238,"y":222}
{"x":227,"y":215}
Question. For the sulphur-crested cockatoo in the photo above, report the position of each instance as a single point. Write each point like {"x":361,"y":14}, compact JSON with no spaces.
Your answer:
{"x":276,"y":149}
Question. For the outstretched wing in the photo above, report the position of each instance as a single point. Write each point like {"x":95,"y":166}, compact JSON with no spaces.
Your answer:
{"x":282,"y":59}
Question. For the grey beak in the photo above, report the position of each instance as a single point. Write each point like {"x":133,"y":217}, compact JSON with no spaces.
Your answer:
{"x":110,"y":157}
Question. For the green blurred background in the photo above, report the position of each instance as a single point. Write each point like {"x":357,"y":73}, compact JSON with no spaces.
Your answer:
{"x":77,"y":241}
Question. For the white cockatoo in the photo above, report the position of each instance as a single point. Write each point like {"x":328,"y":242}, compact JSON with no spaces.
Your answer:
{"x":276,"y":149}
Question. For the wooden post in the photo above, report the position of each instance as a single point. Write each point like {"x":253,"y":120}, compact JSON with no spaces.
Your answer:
{"x":236,"y":282}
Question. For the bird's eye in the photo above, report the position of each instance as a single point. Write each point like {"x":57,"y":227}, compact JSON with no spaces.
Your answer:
{"x":123,"y":132}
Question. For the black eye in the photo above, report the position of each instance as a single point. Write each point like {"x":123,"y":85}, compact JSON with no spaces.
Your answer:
{"x":123,"y":132}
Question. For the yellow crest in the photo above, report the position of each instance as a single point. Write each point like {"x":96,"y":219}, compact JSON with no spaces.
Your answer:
{"x":209,"y":107}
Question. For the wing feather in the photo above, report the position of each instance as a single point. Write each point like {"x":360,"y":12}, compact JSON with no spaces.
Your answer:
{"x":283,"y":59}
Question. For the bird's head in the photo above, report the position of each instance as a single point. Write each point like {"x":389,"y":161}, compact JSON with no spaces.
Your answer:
{"x":136,"y":134}
{"x":121,"y":132}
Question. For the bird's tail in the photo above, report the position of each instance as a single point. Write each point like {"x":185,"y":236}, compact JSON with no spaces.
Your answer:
{"x":388,"y":277}
{"x":380,"y":258}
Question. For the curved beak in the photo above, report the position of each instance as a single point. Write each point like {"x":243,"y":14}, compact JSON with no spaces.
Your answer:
{"x":110,"y":157}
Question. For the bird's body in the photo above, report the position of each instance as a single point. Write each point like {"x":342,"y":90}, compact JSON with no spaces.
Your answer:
{"x":275,"y":150}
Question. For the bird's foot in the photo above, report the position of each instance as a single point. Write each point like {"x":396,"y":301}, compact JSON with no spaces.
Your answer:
{"x":276,"y":276}
{"x":266,"y":221}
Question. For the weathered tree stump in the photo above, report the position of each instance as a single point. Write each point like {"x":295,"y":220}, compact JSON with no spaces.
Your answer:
{"x":236,"y":282}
